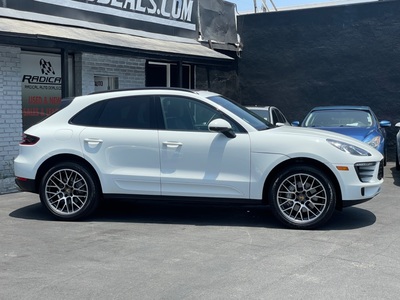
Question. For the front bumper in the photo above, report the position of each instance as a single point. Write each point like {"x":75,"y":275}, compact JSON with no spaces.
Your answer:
{"x":361,"y":183}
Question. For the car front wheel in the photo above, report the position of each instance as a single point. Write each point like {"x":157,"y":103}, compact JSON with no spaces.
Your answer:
{"x":69,"y":191}
{"x":302,"y":197}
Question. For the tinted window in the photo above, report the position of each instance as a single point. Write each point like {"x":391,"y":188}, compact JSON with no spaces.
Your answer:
{"x":242,"y":112}
{"x":128,"y":112}
{"x":186,"y":114}
{"x":88,"y":116}
{"x":281,"y":117}
{"x":275,"y":116}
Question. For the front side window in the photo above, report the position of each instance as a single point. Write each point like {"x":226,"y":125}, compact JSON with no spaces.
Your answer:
{"x":242,"y":112}
{"x":278,"y":116}
{"x":281,"y":117}
{"x":275,"y":116}
{"x":186,"y":114}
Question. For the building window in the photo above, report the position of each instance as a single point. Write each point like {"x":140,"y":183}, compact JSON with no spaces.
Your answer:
{"x":105,"y":83}
{"x":159,"y":74}
{"x":41,"y":86}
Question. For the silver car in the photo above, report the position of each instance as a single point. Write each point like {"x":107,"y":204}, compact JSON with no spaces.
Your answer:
{"x":270,"y":113}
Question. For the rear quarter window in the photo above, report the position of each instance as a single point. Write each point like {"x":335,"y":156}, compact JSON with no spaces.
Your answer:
{"x":127,"y":112}
{"x":89,"y":115}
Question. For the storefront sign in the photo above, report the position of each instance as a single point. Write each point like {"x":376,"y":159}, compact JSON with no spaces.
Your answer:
{"x":41,"y":86}
{"x":173,"y":17}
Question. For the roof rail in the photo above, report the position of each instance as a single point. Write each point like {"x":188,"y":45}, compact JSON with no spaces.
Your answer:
{"x":144,"y":88}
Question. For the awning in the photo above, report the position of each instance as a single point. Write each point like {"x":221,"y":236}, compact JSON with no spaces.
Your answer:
{"x":10,"y":26}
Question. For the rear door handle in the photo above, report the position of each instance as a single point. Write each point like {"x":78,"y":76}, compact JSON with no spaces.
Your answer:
{"x":171,"y":144}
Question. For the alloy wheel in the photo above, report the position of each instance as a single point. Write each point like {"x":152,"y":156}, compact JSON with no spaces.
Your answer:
{"x":66,"y":191}
{"x":302,"y":198}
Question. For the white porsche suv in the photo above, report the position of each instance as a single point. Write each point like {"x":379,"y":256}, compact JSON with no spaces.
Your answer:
{"x":190,"y":145}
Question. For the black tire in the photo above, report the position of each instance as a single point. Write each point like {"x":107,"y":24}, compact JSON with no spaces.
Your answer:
{"x":69,"y":191}
{"x":397,"y":159}
{"x":302,"y":197}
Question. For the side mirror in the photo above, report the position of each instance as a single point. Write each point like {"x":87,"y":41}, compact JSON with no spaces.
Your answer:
{"x":385,"y":123}
{"x":296,"y":123}
{"x":222,"y":126}
{"x":397,"y":125}
{"x":279,"y":124}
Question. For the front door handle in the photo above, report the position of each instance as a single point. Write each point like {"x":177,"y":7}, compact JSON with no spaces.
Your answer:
{"x":93,"y":141}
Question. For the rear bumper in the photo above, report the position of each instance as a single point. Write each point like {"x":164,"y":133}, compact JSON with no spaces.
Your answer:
{"x":26,"y":185}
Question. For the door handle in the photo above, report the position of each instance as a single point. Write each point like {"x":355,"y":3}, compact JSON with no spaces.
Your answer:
{"x":93,"y":141}
{"x":171,"y":144}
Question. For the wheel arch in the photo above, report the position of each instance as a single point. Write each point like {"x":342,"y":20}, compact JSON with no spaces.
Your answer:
{"x":302,"y":161}
{"x":48,"y":163}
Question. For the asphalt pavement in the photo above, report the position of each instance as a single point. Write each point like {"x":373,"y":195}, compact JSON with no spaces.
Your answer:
{"x":141,"y":251}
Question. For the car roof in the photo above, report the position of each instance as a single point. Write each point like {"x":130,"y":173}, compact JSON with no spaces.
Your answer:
{"x":205,"y":94}
{"x":143,"y":89}
{"x":259,"y":107}
{"x":342,"y":107}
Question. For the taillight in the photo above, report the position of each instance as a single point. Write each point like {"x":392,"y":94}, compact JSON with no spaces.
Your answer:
{"x":29,"y":139}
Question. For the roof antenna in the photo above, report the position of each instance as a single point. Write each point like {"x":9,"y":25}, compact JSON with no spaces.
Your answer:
{"x":264,"y":6}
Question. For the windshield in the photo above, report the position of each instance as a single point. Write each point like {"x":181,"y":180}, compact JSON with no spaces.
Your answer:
{"x":263,"y":112}
{"x":242,"y":112}
{"x":339,"y":118}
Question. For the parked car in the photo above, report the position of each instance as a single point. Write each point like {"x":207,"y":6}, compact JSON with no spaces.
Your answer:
{"x":358,"y":122}
{"x":270,"y":113}
{"x":164,"y":144}
{"x":398,"y":147}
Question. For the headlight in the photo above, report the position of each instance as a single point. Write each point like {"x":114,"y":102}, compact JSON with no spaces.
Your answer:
{"x":348,"y":148}
{"x":375,"y":141}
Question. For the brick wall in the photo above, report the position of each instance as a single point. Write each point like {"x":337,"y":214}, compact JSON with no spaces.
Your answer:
{"x":11,"y":114}
{"x":130,"y":71}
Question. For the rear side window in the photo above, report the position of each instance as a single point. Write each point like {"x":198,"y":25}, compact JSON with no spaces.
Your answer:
{"x":88,"y":116}
{"x":128,"y":112}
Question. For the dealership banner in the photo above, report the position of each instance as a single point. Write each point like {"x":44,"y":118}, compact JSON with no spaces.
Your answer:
{"x":218,"y":21}
{"x":41,"y":86}
{"x":171,"y":17}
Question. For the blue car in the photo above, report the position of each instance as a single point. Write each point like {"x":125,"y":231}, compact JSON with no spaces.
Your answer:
{"x":358,"y":122}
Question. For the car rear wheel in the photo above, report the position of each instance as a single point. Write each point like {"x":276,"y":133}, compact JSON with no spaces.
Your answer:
{"x":69,"y":191}
{"x":302,"y":197}
{"x":397,"y":159}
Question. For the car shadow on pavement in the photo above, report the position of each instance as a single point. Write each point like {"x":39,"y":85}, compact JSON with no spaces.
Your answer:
{"x":199,"y":215}
{"x":396,"y":176}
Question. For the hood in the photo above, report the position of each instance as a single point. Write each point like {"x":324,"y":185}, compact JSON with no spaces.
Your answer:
{"x":314,"y":133}
{"x":359,"y":133}
{"x":307,"y":134}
